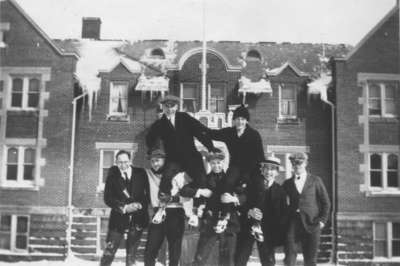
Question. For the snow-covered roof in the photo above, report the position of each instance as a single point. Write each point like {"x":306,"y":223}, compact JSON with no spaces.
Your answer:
{"x":96,"y":56}
{"x":152,"y":83}
{"x":320,"y":86}
{"x":261,"y":86}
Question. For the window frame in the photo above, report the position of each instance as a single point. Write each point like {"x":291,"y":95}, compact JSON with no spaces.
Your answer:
{"x":382,"y":98}
{"x":14,"y":233}
{"x":384,"y":172}
{"x":118,"y":114}
{"x":100,"y":183}
{"x":25,"y":92}
{"x":217,"y":99}
{"x":196,"y":99}
{"x":20,"y":182}
{"x":389,"y":240}
{"x":295,"y":100}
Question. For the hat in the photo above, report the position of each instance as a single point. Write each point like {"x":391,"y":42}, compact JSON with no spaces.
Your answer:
{"x":298,"y":157}
{"x":217,"y":154}
{"x":241,"y":111}
{"x":170,"y":98}
{"x":156,"y":153}
{"x":272,"y":160}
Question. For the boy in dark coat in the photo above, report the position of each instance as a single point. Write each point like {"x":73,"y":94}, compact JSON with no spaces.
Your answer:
{"x":176,"y":131}
{"x":220,"y":219}
{"x":269,"y":209}
{"x":125,"y":193}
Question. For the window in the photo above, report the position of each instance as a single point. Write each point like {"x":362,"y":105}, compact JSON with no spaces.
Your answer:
{"x":387,"y":239}
{"x":158,"y":53}
{"x":25,"y":93}
{"x":288,"y":101}
{"x":20,"y":166}
{"x":14,"y":232}
{"x":119,"y":99}
{"x":382,"y":98}
{"x":217,"y":98}
{"x":384,"y":171}
{"x":253,"y":55}
{"x":190,"y":98}
{"x":107,"y":159}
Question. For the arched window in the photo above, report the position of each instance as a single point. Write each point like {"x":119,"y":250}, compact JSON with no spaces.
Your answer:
{"x":253,"y":55}
{"x":376,"y":170}
{"x":158,"y":53}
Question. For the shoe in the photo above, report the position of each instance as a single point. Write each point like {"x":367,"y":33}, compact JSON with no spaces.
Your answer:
{"x":159,"y":217}
{"x":257,"y":232}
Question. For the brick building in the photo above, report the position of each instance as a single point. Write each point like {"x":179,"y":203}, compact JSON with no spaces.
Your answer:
{"x":122,"y":82}
{"x":36,"y":90}
{"x":367,"y":92}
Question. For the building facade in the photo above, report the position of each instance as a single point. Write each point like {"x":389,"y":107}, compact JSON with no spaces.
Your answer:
{"x":368,"y":138}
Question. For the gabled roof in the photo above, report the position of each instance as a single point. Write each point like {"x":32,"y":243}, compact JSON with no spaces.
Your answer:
{"x":277,"y":71}
{"x":41,"y":32}
{"x":372,"y":31}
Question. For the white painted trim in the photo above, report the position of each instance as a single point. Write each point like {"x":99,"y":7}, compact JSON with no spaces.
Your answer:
{"x":282,"y":148}
{"x":196,"y":50}
{"x":41,"y":32}
{"x":371,"y":32}
{"x":379,"y":148}
{"x":292,"y":66}
{"x":368,"y":216}
{"x":124,"y":83}
{"x":364,"y":77}
{"x":117,"y":145}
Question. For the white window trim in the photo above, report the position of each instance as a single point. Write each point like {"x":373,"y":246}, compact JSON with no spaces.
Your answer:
{"x":382,"y":87}
{"x":4,"y":26}
{"x":182,"y":98}
{"x":217,"y":98}
{"x":100,"y":183}
{"x":282,"y":116}
{"x":389,"y":239}
{"x":19,"y":183}
{"x":110,"y":113}
{"x":384,"y":189}
{"x":25,"y":91}
{"x":13,"y":234}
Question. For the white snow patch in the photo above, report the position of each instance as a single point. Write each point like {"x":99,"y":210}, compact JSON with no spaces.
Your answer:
{"x":152,"y":83}
{"x":261,"y":86}
{"x":320,"y":86}
{"x":96,"y":55}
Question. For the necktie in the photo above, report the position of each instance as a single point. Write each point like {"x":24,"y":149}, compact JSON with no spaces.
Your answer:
{"x":127,"y":182}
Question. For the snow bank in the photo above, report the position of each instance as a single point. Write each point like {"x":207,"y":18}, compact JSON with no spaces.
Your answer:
{"x":320,"y":86}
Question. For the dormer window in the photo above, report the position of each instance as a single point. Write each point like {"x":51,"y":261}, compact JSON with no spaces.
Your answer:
{"x":158,"y":53}
{"x":253,"y":55}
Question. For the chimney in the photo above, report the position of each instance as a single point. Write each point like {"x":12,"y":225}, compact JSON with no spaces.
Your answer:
{"x":91,"y":28}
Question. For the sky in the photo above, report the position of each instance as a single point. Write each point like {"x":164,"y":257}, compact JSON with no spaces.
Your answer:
{"x":315,"y":21}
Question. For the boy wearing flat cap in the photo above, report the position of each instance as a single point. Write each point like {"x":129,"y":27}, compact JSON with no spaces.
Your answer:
{"x":309,"y":207}
{"x":176,"y":131}
{"x":267,"y":206}
{"x":169,"y":223}
{"x":220,"y":220}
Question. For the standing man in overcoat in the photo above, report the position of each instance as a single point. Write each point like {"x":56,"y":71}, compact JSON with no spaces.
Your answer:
{"x":125,"y":193}
{"x":309,"y":208}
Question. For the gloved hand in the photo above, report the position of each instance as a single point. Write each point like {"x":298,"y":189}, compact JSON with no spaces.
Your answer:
{"x":164,"y":198}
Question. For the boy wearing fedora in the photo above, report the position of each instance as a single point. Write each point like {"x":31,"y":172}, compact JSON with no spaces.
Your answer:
{"x":309,"y":207}
{"x":220,"y":220}
{"x":176,"y":131}
{"x":267,"y":208}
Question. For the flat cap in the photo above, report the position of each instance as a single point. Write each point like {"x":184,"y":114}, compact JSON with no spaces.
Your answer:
{"x":298,"y":157}
{"x":170,"y":99}
{"x":156,"y":153}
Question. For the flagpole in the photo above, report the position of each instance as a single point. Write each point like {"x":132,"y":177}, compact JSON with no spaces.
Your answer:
{"x":204,"y":62}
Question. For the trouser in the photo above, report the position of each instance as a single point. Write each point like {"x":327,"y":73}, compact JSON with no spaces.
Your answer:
{"x":206,"y":243}
{"x":172,"y":228}
{"x":309,"y":243}
{"x":113,"y":241}
{"x":245,"y":242}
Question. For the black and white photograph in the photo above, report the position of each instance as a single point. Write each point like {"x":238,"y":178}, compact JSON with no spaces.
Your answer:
{"x":199,"y":132}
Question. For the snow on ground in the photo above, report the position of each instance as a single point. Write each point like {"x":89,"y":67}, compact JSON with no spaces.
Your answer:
{"x":74,"y":261}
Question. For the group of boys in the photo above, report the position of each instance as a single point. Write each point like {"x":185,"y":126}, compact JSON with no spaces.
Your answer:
{"x":237,"y":207}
